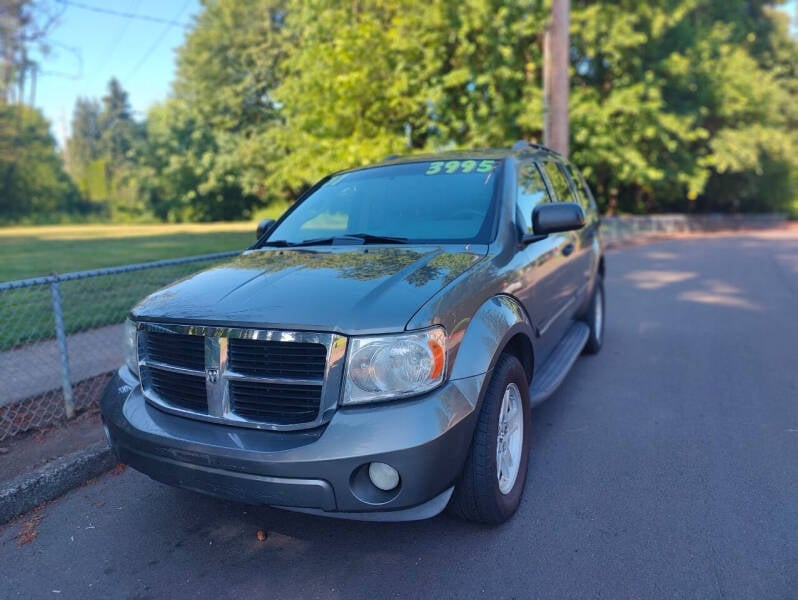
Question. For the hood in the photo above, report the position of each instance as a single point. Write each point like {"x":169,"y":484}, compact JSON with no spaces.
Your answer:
{"x":342,"y":289}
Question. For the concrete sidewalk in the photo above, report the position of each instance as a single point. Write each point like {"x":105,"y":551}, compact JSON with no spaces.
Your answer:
{"x":35,"y":369}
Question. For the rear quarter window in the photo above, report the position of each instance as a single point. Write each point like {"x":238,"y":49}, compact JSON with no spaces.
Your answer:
{"x":582,"y":191}
{"x":559,"y":182}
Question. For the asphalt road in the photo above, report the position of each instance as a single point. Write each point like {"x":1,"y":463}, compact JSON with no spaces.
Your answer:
{"x":665,"y":467}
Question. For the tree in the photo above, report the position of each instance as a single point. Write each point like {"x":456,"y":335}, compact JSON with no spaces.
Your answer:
{"x":187,"y":173}
{"x":84,"y":145}
{"x":331,"y":85}
{"x":118,"y":131}
{"x":675,"y":104}
{"x":669,"y":95}
{"x":194,"y":163}
{"x":102,"y":153}
{"x":84,"y":150}
{"x":24,"y":25}
{"x":33,"y":184}
{"x":348,"y":91}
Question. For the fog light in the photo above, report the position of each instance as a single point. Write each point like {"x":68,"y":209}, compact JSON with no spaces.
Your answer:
{"x":383,"y":476}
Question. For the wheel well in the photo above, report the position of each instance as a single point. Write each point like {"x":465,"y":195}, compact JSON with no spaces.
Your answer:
{"x":520,"y":347}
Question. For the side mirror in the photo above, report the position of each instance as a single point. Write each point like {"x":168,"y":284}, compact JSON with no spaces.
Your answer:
{"x":264,"y":227}
{"x":557,"y":216}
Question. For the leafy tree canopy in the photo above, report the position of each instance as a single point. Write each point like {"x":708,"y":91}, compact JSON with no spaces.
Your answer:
{"x":671,"y":99}
{"x":675,"y":104}
{"x":33,"y":183}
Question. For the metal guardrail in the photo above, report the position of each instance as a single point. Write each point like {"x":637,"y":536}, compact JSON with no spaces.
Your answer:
{"x":61,"y":336}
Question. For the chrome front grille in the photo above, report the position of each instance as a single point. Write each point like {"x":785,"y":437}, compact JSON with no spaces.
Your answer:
{"x":278,"y":403}
{"x":265,"y":379}
{"x":180,"y":350}
{"x":277,"y":359}
{"x":179,"y":389}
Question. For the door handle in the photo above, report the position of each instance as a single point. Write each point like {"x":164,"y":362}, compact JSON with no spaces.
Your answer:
{"x":566,"y":251}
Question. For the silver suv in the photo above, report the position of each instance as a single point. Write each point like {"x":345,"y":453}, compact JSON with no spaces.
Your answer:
{"x":376,"y":354}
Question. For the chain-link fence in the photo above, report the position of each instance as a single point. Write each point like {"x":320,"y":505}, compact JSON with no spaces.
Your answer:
{"x":61,"y":337}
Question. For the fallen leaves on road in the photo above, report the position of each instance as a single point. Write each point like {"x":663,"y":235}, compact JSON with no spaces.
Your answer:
{"x":28,"y":529}
{"x":261,"y":535}
{"x":117,"y":470}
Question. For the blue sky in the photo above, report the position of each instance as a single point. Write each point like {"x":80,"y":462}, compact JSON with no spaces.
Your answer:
{"x":89,"y":47}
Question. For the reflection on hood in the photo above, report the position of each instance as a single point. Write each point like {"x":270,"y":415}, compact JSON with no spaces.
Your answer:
{"x":332,"y":289}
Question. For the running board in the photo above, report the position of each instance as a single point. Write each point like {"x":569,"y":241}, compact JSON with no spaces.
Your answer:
{"x":549,"y":377}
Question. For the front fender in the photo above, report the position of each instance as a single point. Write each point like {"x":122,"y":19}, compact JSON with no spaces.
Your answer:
{"x":486,"y":334}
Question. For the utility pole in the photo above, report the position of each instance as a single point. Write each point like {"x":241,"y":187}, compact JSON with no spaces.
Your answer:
{"x":34,"y":71}
{"x":556,"y":46}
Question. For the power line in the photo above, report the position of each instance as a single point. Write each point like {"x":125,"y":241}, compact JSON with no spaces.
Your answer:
{"x":125,"y":15}
{"x":109,"y":51}
{"x":157,"y":42}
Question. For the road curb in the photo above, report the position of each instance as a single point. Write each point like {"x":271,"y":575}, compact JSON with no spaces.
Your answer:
{"x":53,"y":479}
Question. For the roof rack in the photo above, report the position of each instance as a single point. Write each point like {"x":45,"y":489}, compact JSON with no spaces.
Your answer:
{"x":527,"y":145}
{"x":391,"y":157}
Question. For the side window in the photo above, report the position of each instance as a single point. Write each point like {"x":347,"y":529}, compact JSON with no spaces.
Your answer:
{"x":531,"y":192}
{"x":559,"y":183}
{"x":581,"y":187}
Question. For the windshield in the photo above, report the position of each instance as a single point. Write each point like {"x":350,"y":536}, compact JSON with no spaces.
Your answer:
{"x":422,"y":202}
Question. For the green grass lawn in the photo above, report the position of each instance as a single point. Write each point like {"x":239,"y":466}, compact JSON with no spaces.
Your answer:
{"x":35,"y":251}
{"x":26,"y":313}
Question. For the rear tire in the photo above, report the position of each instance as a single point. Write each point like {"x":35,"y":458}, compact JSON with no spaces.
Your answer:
{"x":595,"y":318}
{"x":492,"y":482}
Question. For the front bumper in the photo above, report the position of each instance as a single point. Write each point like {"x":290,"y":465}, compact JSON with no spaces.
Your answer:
{"x":323,"y":470}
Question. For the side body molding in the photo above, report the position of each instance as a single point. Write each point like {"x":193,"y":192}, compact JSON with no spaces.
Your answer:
{"x":492,"y":326}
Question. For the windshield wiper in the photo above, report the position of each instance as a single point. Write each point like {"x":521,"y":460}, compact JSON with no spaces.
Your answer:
{"x":369,"y":238}
{"x":287,"y":244}
{"x":276,"y":243}
{"x":343,"y":240}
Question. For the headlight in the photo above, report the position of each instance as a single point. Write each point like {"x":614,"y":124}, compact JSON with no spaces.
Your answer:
{"x":131,"y":347}
{"x":387,"y":367}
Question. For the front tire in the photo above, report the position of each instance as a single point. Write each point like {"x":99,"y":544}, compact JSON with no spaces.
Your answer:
{"x":492,"y":482}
